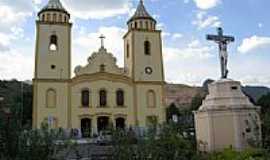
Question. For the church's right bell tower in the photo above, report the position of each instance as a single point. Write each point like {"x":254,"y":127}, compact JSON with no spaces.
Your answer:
{"x":143,"y":48}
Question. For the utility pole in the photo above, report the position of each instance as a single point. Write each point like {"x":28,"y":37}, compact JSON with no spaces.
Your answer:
{"x":21,"y":106}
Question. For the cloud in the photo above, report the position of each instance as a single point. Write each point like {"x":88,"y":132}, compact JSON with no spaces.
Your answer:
{"x":203,"y":20}
{"x":14,"y":13}
{"x":15,"y":64}
{"x":260,"y":25}
{"x":186,"y":1}
{"x":193,"y":50}
{"x":177,"y":35}
{"x":4,"y":39}
{"x":252,"y":43}
{"x":7,"y":38}
{"x":206,"y":4}
{"x":97,"y":9}
{"x":3,"y":48}
{"x":188,"y":64}
{"x":260,"y":80}
{"x":165,"y":34}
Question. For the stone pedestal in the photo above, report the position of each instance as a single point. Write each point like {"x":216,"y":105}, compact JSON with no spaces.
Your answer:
{"x":227,"y":118}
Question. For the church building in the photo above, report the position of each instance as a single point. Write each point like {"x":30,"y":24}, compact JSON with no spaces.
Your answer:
{"x":100,"y":94}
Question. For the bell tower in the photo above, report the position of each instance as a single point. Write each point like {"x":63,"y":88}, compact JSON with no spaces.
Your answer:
{"x":52,"y":66}
{"x":143,"y":47}
{"x":53,"y":42}
{"x":144,"y":65}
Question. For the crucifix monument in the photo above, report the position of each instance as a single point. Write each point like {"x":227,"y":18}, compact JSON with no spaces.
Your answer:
{"x":223,"y":42}
{"x":226,"y":117}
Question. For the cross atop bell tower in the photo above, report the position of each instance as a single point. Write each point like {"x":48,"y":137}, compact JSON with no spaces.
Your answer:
{"x":102,"y":38}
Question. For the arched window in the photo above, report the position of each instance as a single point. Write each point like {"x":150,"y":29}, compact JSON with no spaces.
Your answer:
{"x":120,"y":123}
{"x":48,"y":17}
{"x":66,"y":18}
{"x":151,"y":99}
{"x":53,"y":43}
{"x":54,"y":17}
{"x":120,"y":99}
{"x":51,"y":98}
{"x":147,"y":48}
{"x":128,"y":50}
{"x":60,"y":18}
{"x":136,"y":25}
{"x":85,"y":98}
{"x":102,"y":98}
{"x":43,"y":17}
{"x":146,"y":24}
{"x":153,"y":25}
{"x":141,"y":24}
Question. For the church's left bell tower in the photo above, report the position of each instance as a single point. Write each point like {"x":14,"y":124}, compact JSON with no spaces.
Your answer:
{"x":52,"y":67}
{"x":53,"y":42}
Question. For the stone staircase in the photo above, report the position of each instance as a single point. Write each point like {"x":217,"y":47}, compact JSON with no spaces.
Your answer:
{"x":86,"y":152}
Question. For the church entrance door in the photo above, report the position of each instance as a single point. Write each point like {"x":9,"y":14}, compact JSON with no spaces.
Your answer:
{"x":86,"y":127}
{"x":103,"y":123}
{"x":120,"y":123}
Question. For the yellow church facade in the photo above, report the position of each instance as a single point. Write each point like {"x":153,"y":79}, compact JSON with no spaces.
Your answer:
{"x":100,"y":94}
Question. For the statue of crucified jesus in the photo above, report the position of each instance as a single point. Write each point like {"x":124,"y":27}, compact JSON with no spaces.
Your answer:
{"x":223,"y":42}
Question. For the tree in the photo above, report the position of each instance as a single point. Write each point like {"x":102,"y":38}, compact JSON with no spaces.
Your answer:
{"x":196,"y":102}
{"x":41,"y":143}
{"x":21,"y":143}
{"x":264,"y":102}
{"x":160,"y":143}
{"x":171,"y":111}
{"x":10,"y":129}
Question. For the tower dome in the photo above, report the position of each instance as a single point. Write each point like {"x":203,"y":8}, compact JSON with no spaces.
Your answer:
{"x":141,"y":19}
{"x":54,"y":12}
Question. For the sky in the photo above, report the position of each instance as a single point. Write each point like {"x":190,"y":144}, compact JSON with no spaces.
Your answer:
{"x":188,"y":57}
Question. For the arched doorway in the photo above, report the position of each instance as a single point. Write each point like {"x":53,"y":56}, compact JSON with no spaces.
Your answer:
{"x":103,"y":123}
{"x":86,"y":127}
{"x":120,"y":123}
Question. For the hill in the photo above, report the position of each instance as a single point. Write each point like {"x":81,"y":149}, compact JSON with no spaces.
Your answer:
{"x":183,"y":94}
{"x":17,"y":93}
{"x":256,"y":92}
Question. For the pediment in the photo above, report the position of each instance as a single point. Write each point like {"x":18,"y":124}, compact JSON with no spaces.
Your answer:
{"x":100,"y":61}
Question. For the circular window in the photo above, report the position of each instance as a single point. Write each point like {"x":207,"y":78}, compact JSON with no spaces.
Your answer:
{"x":148,"y":70}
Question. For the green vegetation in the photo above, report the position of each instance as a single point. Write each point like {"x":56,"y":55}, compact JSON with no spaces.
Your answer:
{"x":264,"y":102}
{"x":18,"y":142}
{"x":167,"y":143}
{"x":19,"y":94}
{"x":230,"y":154}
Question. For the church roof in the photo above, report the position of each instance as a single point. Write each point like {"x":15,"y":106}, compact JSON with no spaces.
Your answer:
{"x":54,"y":5}
{"x":141,"y":13}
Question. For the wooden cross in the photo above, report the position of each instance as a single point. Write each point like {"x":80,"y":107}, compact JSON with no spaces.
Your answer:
{"x":223,"y":42}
